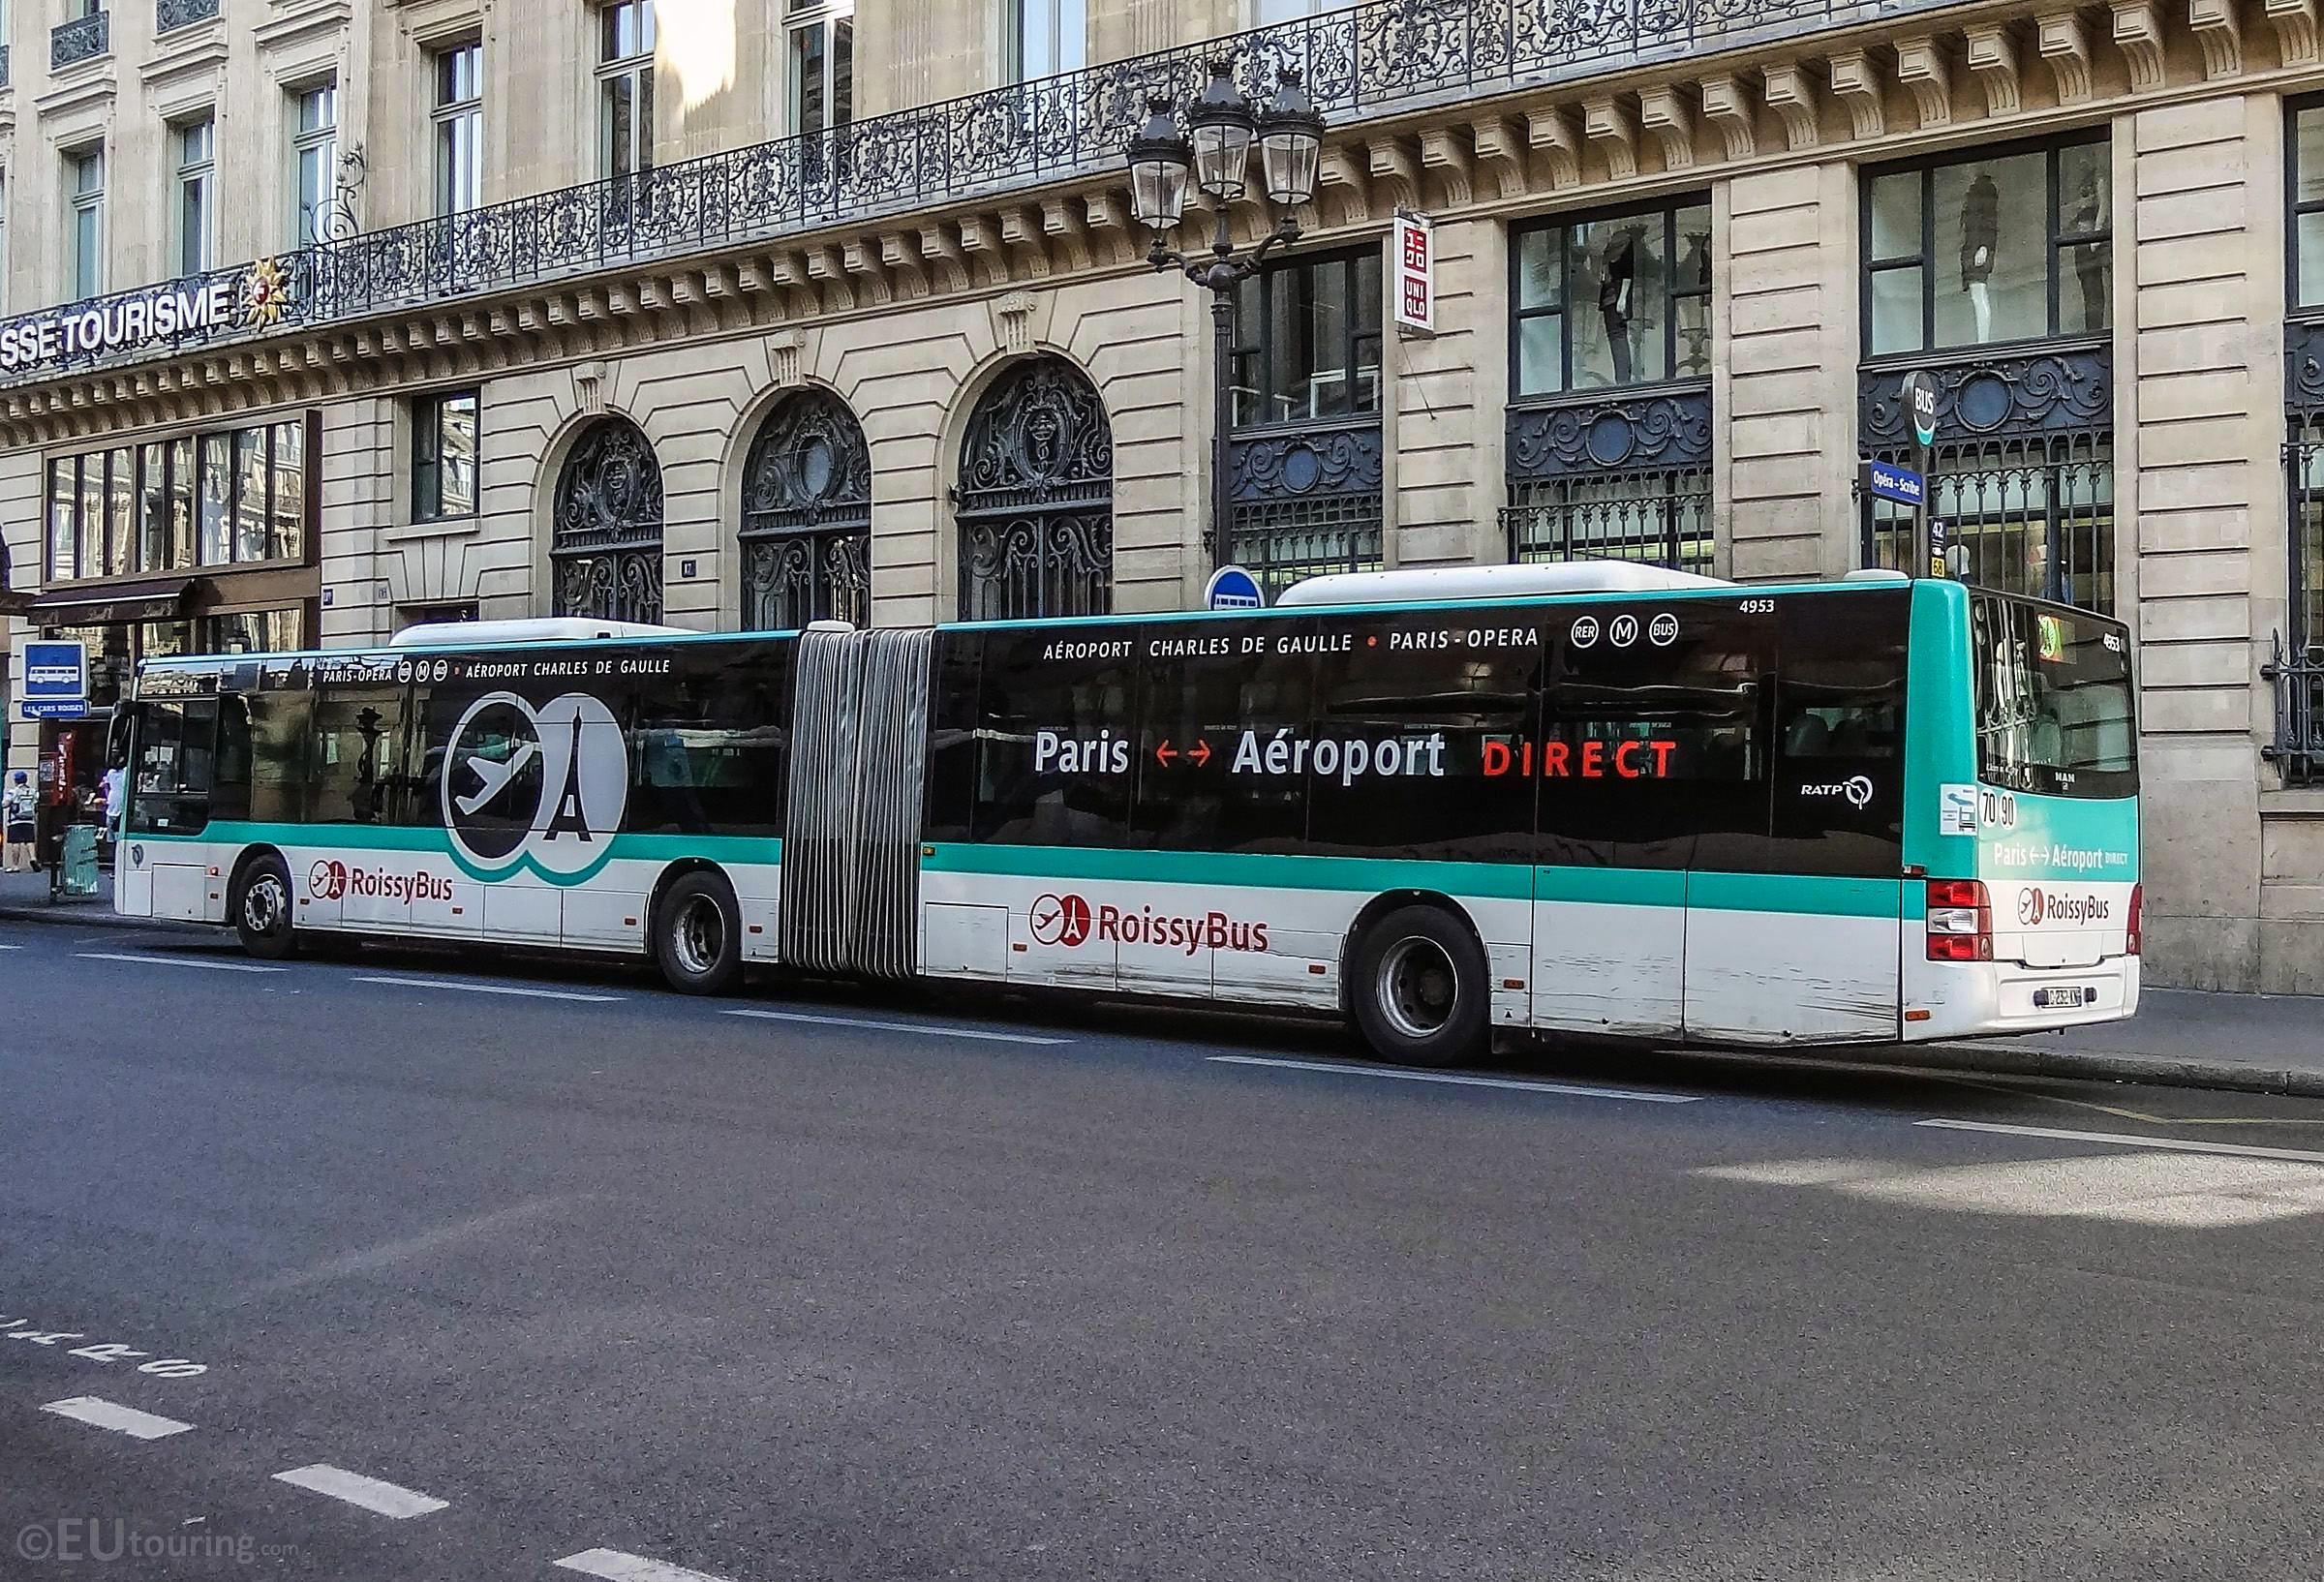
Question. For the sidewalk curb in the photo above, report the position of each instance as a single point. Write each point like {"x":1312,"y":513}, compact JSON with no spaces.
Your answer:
{"x":91,"y":914}
{"x":2096,"y":1065}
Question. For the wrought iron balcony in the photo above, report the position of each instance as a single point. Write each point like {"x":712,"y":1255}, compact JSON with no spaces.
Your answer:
{"x":171,"y":15}
{"x":84,"y":38}
{"x":1372,"y":59}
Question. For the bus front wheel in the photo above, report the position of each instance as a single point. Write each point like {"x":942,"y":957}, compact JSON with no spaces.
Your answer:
{"x":1419,"y":989}
{"x":260,"y":906}
{"x":699,"y":936}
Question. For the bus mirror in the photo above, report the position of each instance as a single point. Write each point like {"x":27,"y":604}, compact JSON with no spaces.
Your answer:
{"x":117,"y":740}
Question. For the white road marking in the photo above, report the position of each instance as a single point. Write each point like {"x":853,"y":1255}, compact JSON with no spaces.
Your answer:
{"x":121,"y":1420}
{"x":1389,"y":1073}
{"x":387,"y":1499}
{"x":492,"y":988}
{"x":893,"y":1026}
{"x":2125,"y":1140}
{"x":174,"y":961}
{"x":10,"y":947}
{"x":617,"y":1566}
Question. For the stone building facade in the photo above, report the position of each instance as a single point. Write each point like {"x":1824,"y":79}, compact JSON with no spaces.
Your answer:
{"x":736,"y":315}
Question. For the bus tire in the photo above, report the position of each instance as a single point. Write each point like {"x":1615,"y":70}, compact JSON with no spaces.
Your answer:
{"x":1419,"y":989}
{"x":699,"y":935}
{"x":260,"y":904}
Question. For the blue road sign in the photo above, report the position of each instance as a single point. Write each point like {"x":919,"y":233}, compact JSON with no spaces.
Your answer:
{"x":1900,"y":485}
{"x":56,"y":670}
{"x":54,"y":708}
{"x":1231,"y":587}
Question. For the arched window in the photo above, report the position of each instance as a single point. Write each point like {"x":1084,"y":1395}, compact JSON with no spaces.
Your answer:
{"x":1035,"y":501}
{"x":605,"y":546}
{"x":806,"y":516}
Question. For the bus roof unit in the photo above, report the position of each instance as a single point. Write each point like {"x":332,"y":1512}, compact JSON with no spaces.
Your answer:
{"x":548,"y":629}
{"x":1435,"y":584}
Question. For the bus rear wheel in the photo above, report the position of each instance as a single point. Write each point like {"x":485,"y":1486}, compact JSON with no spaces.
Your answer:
{"x":260,"y":904}
{"x":1419,"y":989}
{"x":699,"y":936}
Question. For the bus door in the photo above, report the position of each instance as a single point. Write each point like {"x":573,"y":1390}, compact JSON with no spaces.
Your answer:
{"x":1610,"y":911}
{"x":1795,"y":935}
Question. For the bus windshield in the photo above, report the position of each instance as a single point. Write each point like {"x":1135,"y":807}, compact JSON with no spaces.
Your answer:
{"x":2055,"y":714}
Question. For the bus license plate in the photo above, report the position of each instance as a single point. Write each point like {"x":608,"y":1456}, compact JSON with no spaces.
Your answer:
{"x":2060,"y":999}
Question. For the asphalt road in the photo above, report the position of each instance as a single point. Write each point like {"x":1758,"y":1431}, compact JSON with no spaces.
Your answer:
{"x":864,"y":1287}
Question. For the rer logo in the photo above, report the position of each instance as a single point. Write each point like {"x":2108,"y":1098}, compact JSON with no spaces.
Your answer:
{"x":1060,"y":919}
{"x":541,"y":787}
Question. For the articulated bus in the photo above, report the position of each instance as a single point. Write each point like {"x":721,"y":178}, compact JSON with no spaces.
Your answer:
{"x":1592,"y":800}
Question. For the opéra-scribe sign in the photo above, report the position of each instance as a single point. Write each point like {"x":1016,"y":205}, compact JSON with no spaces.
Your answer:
{"x":176,"y":309}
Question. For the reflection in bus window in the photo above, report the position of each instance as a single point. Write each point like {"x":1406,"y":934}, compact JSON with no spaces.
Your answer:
{"x":359,"y":757}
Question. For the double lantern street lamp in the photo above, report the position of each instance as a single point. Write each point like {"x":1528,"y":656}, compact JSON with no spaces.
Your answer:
{"x":1216,"y":149}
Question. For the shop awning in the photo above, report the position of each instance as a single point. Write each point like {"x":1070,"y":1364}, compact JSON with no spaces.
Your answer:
{"x":14,"y":603}
{"x":115,"y":603}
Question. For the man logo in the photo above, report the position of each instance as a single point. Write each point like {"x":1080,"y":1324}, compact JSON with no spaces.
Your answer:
{"x":1058,"y":919}
{"x":540,"y":786}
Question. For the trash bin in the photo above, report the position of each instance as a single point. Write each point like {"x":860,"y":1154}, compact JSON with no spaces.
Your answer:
{"x":77,"y":867}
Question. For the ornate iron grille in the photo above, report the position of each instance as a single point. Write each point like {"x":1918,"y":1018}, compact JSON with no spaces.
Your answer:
{"x":84,"y":38}
{"x":1612,"y":475}
{"x":170,"y":14}
{"x":2023,"y":475}
{"x":605,"y":555}
{"x":1035,"y":500}
{"x":1660,"y":518}
{"x":806,"y":516}
{"x":2296,"y":666}
{"x":1304,"y":502}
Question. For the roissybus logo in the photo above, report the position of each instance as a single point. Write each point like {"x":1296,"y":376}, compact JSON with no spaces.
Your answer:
{"x":535,"y":787}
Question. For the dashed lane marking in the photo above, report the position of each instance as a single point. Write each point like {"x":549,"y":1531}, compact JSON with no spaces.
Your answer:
{"x":2127,"y":1139}
{"x":617,"y":1566}
{"x":387,"y":1499}
{"x":928,"y":1029}
{"x":121,"y":1420}
{"x":174,"y":961}
{"x":492,"y":988}
{"x":1569,"y":1090}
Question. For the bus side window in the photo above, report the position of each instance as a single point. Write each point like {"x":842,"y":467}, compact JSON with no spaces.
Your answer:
{"x":1215,"y":707}
{"x":280,"y":722}
{"x":1057,"y":740}
{"x":229,"y":782}
{"x":708,"y":749}
{"x":1840,"y":720}
{"x":1655,"y":750}
{"x":951,"y":768}
{"x":170,"y":787}
{"x":1429,"y":714}
{"x":359,"y":757}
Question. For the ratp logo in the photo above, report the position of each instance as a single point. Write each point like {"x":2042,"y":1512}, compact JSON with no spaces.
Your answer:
{"x":543,"y":787}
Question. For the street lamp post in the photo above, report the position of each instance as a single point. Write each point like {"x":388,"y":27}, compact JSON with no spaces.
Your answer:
{"x":1216,"y":150}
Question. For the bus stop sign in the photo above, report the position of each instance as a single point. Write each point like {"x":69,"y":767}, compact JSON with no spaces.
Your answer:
{"x":56,"y":681}
{"x":1231,"y":587}
{"x":1921,"y":401}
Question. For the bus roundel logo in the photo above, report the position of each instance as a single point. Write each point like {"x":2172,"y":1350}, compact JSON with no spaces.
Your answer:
{"x":1663,"y":629}
{"x":542,"y":785}
{"x":1060,"y":919}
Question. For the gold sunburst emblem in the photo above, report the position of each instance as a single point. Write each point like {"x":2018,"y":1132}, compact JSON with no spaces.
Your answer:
{"x":265,"y":294}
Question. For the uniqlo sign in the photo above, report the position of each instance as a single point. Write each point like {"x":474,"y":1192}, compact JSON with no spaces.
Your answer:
{"x":1413,"y":258}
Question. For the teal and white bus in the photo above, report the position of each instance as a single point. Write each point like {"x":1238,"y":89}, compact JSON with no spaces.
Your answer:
{"x":1595,"y":799}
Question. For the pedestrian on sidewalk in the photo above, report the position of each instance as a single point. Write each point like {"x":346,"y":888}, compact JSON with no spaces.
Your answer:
{"x":19,"y":809}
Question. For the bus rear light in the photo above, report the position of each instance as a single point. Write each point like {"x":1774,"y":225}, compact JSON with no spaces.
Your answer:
{"x":1960,"y":920}
{"x":2139,"y":905}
